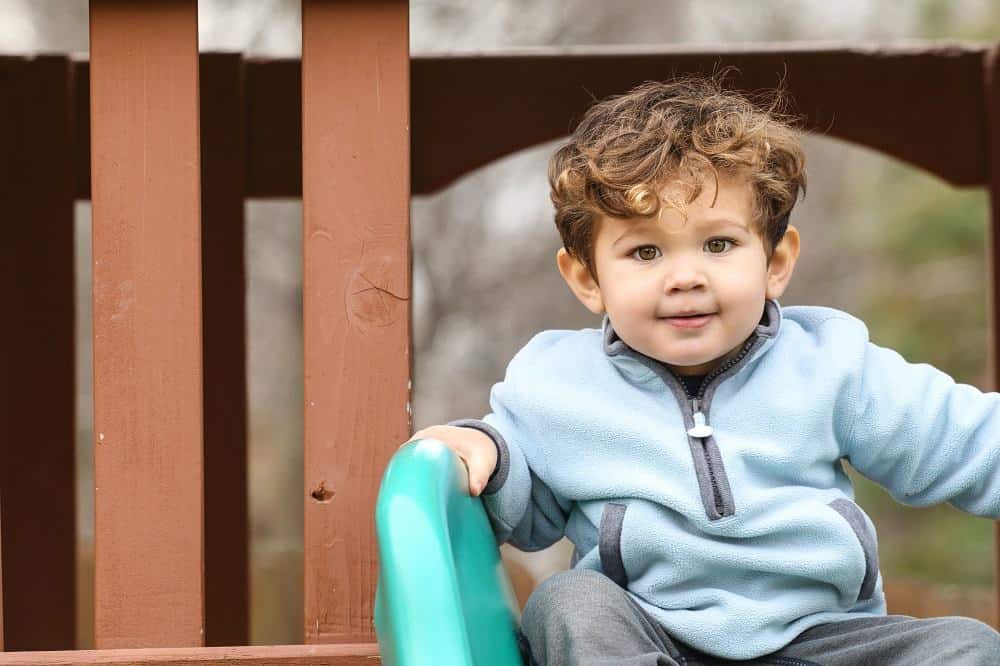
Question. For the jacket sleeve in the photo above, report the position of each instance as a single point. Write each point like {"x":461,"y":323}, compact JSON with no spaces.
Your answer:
{"x":522,"y":508}
{"x":915,"y":431}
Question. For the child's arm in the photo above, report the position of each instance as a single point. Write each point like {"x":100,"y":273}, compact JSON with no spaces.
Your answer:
{"x":911,"y":428}
{"x":522,"y":508}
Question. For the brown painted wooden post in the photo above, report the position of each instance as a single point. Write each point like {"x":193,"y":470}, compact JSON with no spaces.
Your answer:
{"x":356,"y":188}
{"x":147,"y":324}
{"x":991,"y":68}
{"x":37,"y":348}
{"x":223,"y":142}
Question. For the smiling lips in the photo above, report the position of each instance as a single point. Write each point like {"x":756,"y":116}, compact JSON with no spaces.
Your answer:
{"x":689,"y":320}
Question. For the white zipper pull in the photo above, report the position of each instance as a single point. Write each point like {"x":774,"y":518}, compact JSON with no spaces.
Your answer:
{"x":701,"y":428}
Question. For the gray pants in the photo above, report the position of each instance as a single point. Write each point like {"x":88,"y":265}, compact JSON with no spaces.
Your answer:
{"x":582,"y":618}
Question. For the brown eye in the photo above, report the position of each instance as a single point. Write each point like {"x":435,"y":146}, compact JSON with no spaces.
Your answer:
{"x":646,"y":253}
{"x":718,"y":245}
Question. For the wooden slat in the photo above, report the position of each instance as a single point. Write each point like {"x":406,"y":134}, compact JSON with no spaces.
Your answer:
{"x":225,"y":385}
{"x":356,"y":293}
{"x":274,"y":122}
{"x":147,"y":324}
{"x":278,"y":655}
{"x":880,"y":97}
{"x":991,"y":81}
{"x":37,"y":348}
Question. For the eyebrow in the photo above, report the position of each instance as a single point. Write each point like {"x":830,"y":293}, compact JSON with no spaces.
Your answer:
{"x":725,"y":222}
{"x":711,"y":223}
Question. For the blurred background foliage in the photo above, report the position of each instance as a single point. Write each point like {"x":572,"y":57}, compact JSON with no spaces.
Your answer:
{"x":881,"y":240}
{"x":928,"y":301}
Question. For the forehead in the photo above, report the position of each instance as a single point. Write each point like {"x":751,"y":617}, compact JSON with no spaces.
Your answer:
{"x":728,"y":206}
{"x":721,"y":192}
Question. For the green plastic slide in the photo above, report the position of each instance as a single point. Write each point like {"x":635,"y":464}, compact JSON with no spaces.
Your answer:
{"x":443,"y":597}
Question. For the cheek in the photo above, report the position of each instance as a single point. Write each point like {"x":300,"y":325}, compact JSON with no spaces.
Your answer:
{"x":626,"y":303}
{"x":743,"y":300}
{"x":748,"y":275}
{"x":629,"y":293}
{"x":739,"y":287}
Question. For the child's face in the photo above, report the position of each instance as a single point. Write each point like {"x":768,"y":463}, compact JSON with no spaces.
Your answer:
{"x":654,"y":274}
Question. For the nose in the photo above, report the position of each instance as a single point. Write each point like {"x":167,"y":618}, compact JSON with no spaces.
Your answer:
{"x":684,"y":275}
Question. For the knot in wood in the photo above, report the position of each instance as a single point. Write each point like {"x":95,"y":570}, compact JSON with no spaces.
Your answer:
{"x":322,"y":494}
{"x":375,"y":294}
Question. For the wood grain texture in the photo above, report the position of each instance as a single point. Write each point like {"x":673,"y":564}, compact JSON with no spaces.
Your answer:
{"x":356,"y":296}
{"x":38,"y":358}
{"x":227,"y":570}
{"x":147,"y":324}
{"x":277,"y":655}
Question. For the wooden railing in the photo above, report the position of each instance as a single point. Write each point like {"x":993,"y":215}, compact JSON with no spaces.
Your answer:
{"x":168,"y":145}
{"x":164,"y":141}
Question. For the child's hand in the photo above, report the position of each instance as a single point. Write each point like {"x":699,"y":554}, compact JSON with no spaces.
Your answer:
{"x":475,"y":449}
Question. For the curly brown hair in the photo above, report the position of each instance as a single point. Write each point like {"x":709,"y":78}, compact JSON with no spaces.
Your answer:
{"x":628,"y":147}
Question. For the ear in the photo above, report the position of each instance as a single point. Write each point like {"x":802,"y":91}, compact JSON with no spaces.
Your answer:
{"x":580,"y":281}
{"x":779,"y":271}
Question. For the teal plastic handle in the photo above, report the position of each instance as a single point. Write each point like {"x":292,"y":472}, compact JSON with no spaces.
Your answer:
{"x":443,"y":596}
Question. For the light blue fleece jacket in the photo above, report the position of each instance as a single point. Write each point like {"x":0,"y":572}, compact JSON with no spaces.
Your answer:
{"x":729,"y":517}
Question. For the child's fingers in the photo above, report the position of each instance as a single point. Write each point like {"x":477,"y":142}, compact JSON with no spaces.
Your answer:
{"x":475,"y":483}
{"x":478,"y":464}
{"x":468,"y":458}
{"x":426,"y":433}
{"x":479,"y":473}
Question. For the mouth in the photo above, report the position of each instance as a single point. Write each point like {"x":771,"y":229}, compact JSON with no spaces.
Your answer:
{"x":689,"y":320}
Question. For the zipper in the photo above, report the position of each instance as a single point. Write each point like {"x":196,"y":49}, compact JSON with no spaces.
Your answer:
{"x":747,"y":346}
{"x":702,"y":430}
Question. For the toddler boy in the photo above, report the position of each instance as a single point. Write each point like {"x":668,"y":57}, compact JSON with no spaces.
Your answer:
{"x":691,"y":448}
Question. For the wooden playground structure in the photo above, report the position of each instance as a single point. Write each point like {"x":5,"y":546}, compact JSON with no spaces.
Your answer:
{"x":168,"y":144}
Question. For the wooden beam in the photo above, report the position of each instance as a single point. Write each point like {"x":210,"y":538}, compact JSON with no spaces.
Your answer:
{"x":879,"y":97}
{"x":882,"y":98}
{"x":38,"y":343}
{"x":356,"y":296}
{"x":147,"y":324}
{"x":223,"y":191}
{"x":991,"y":85}
{"x":277,"y":655}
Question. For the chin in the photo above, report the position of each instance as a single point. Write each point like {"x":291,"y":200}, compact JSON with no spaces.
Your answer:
{"x":695,"y":361}
{"x":679,"y":355}
{"x":691,"y":364}
{"x":683,"y":362}
{"x":688,"y":359}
